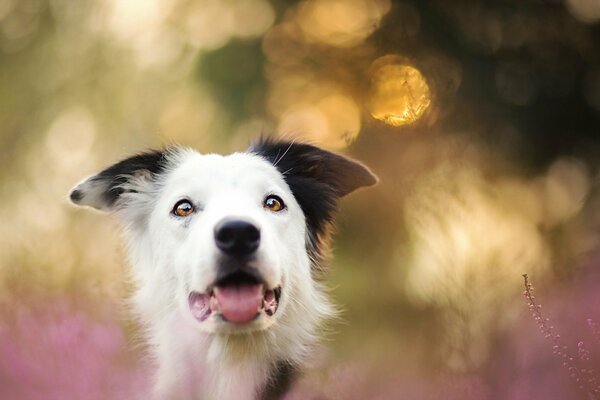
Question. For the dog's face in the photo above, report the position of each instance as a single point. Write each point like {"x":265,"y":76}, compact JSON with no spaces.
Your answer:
{"x":229,"y":240}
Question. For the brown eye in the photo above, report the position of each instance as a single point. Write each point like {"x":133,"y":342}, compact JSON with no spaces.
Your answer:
{"x":183,"y":208}
{"x":274,"y":203}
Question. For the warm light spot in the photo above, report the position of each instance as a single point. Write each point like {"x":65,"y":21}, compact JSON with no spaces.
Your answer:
{"x":465,"y":228}
{"x":587,"y":11}
{"x":469,"y":240}
{"x":565,"y":187}
{"x":399,"y":94}
{"x":343,"y":117}
{"x":252,"y":18}
{"x":341,"y":23}
{"x":333,"y":122}
{"x":70,"y":138}
{"x":304,"y":121}
{"x":141,"y":26}
{"x":283,"y":45}
{"x":210,"y":24}
{"x":157,"y":47}
{"x":185,"y":115}
{"x":127,"y":19}
{"x":313,"y":109}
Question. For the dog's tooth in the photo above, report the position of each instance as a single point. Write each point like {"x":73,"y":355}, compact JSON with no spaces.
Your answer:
{"x":214,"y":304}
{"x":269,"y":296}
{"x":270,"y":303}
{"x":199,"y":305}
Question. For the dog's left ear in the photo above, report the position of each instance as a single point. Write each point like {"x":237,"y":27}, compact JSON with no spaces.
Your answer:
{"x":104,"y":191}
{"x":317,"y":178}
{"x":306,"y":162}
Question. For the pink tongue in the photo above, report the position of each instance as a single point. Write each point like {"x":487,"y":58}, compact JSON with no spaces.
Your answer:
{"x":239,"y":304}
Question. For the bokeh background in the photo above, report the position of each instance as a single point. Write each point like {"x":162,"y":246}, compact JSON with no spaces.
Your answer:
{"x":481,"y":118}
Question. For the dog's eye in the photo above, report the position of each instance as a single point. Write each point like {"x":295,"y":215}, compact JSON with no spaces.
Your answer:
{"x":183,"y":208}
{"x":274,"y":203}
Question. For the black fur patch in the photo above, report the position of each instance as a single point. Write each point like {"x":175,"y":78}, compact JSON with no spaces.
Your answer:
{"x":280,"y":382}
{"x":113,"y":177}
{"x":317,"y":178}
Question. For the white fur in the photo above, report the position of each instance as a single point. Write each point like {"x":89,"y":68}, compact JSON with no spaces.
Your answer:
{"x":172,"y":256}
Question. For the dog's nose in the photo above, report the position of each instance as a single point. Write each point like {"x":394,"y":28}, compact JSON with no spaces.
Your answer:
{"x":237,"y":237}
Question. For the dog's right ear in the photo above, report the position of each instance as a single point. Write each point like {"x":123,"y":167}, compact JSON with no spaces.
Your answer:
{"x":104,"y":191}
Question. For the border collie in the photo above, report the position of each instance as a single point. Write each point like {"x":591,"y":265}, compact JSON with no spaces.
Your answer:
{"x":226,"y":254}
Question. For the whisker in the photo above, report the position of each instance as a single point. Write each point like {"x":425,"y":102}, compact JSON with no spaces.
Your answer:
{"x":283,"y":155}
{"x":283,"y":173}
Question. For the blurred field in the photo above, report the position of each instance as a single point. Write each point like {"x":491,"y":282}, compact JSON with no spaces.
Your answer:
{"x":482,"y":120}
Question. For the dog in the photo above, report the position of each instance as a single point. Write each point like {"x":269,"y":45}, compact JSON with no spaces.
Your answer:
{"x":227,"y":254}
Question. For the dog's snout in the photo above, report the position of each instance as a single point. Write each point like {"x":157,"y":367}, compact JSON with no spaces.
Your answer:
{"x":237,"y":237}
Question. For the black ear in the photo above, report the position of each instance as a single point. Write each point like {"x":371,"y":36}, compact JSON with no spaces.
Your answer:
{"x":317,"y":178}
{"x":341,"y":174}
{"x":103,"y":190}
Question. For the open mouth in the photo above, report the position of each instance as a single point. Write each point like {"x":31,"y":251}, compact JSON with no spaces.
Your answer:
{"x":239,"y":298}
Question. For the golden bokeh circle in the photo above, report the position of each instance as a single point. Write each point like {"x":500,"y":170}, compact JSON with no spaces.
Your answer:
{"x":399,"y":94}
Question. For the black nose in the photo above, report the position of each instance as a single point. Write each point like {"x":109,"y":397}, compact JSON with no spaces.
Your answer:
{"x":237,"y":237}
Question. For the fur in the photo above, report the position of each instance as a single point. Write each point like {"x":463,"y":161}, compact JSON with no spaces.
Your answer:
{"x":173,"y":256}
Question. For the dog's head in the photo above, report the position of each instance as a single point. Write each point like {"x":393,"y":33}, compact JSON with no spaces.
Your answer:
{"x":230,"y":241}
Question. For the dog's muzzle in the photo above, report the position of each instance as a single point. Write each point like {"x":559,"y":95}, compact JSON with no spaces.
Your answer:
{"x":239,"y":294}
